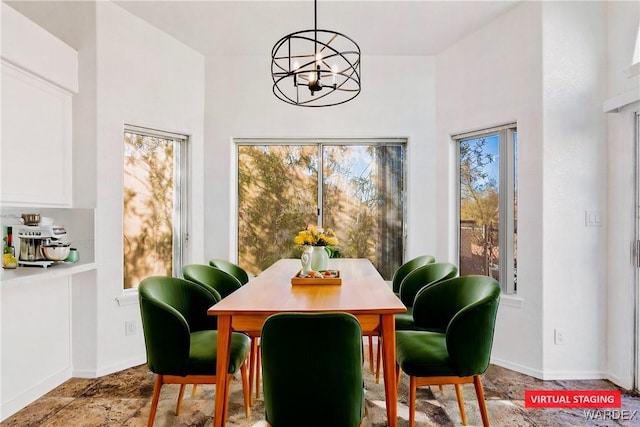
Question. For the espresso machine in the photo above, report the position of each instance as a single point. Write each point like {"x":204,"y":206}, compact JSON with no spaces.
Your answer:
{"x":31,"y":240}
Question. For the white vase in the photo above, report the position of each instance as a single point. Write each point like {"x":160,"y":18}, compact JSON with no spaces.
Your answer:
{"x":305,"y":259}
{"x":319,"y":258}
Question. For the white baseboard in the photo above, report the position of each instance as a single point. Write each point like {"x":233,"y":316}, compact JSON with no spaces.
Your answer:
{"x":516,"y":367}
{"x":33,"y":393}
{"x":117,"y":367}
{"x":550,"y":375}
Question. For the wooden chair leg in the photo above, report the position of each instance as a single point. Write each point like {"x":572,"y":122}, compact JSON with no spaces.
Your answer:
{"x":245,"y":390}
{"x":258,"y":370}
{"x":379,"y":359}
{"x":463,"y":416}
{"x":477,"y":382}
{"x":253,"y":366}
{"x":397,"y":376}
{"x":157,"y":385}
{"x":371,"y":353}
{"x":412,"y":401}
{"x":180,"y":396}
{"x":194,"y":390}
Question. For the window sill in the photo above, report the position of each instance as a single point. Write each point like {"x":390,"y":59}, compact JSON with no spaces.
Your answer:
{"x":513,"y":301}
{"x":128,"y":298}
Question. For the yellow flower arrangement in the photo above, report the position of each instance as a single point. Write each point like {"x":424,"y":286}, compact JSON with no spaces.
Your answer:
{"x":314,"y":236}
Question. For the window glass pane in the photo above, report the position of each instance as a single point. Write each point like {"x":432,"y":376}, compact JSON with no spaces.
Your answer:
{"x":479,"y":206}
{"x":277,"y":197}
{"x":362,"y":202}
{"x":361,"y":199}
{"x":148,"y":207}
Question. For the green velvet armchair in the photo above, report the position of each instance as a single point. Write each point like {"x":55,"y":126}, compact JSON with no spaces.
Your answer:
{"x":460,"y":314}
{"x":416,"y":280}
{"x":398,"y":276}
{"x":402,"y":271}
{"x":222,"y":283}
{"x":312,"y":369}
{"x":231,"y":268}
{"x":181,"y":340}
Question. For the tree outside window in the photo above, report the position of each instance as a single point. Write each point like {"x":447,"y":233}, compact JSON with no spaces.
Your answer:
{"x":354,"y":189}
{"x":488,"y":205}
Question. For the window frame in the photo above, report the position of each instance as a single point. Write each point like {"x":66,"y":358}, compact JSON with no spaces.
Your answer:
{"x":180,"y":202}
{"x":320,"y":142}
{"x":507,"y":191}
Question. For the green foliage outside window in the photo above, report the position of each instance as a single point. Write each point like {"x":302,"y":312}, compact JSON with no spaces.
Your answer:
{"x":361,"y":201}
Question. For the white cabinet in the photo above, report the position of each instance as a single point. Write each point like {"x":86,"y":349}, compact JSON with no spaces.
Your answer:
{"x":36,"y":141}
{"x":36,"y":339}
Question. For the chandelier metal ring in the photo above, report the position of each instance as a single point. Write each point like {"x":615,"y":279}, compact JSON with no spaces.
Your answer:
{"x":315,"y":68}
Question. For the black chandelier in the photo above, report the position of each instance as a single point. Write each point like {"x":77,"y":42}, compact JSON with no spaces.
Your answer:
{"x":315,"y":68}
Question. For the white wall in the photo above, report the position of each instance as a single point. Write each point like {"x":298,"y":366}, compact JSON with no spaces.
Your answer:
{"x":146,"y":78}
{"x":574,"y":157}
{"x":494,"y":77}
{"x":541,"y":65}
{"x":240,"y":103}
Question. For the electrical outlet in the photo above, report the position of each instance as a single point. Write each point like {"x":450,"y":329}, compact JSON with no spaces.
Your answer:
{"x":130,"y":327}
{"x":558,"y":336}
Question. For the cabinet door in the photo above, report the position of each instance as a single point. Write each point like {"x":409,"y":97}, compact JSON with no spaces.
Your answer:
{"x":36,"y":339}
{"x":36,"y":141}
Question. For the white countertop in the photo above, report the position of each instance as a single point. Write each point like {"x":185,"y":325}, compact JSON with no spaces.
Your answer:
{"x":26,"y":274}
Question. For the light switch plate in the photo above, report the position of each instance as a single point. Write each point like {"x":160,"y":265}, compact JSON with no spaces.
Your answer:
{"x":592,"y":218}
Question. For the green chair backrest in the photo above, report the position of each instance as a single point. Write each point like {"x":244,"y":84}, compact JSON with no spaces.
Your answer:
{"x":422,"y":276}
{"x":407,"y":267}
{"x":231,"y":268}
{"x":171,"y":309}
{"x":465,"y":308}
{"x":218,"y":281}
{"x":312,"y":370}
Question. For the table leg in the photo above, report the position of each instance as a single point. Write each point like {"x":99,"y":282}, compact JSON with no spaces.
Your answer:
{"x":388,"y":365}
{"x":222,"y":367}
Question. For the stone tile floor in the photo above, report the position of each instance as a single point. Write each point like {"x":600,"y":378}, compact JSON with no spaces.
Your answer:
{"x":123,"y":399}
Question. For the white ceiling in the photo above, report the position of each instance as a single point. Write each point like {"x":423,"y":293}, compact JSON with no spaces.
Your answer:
{"x":416,"y":27}
{"x":251,"y":27}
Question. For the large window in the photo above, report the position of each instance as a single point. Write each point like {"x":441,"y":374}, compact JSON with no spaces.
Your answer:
{"x":488,"y":202}
{"x":153,"y":219}
{"x":355,"y":187}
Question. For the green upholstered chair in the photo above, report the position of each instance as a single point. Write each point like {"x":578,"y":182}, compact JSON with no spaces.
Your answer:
{"x":223,"y":283}
{"x":396,"y":280}
{"x":398,"y":276}
{"x":414,"y":281}
{"x":461,"y":314}
{"x":181,"y":340}
{"x":231,"y":268}
{"x":402,"y":271}
{"x":330,"y":394}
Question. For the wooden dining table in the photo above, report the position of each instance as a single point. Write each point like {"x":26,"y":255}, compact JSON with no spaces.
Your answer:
{"x":363,"y":293}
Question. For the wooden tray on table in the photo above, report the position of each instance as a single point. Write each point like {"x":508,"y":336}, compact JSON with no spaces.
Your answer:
{"x":326,"y":277}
